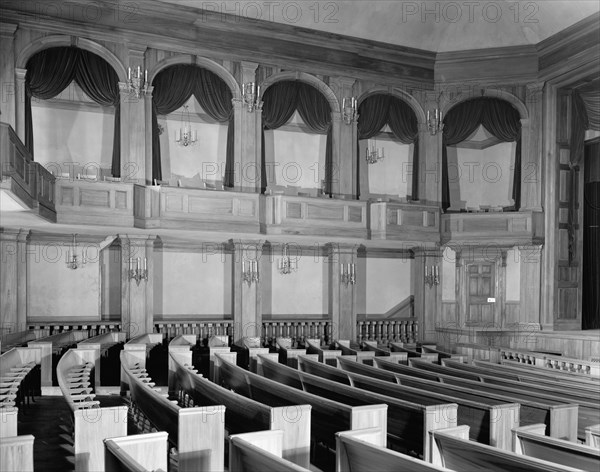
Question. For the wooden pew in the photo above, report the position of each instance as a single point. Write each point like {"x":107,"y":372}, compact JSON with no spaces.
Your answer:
{"x":531,"y":370}
{"x":288,"y":355}
{"x":16,"y":453}
{"x":18,"y":339}
{"x":328,"y":417}
{"x":247,"y":350}
{"x":245,"y":415}
{"x":493,"y":375}
{"x":560,"y":417}
{"x":475,"y":351}
{"x":92,"y":424}
{"x":401,"y":357}
{"x":531,"y":441}
{"x":260,"y":451}
{"x":408,"y":422}
{"x":140,"y":347}
{"x":592,"y":436}
{"x":182,"y":344}
{"x":326,"y":356}
{"x":492,"y":421}
{"x":137,"y":453}
{"x":101,"y":344}
{"x":216,"y":344}
{"x":347,"y":349}
{"x":19,"y":375}
{"x":442,"y":354}
{"x":198,"y":433}
{"x":52,"y":346}
{"x":363,"y":450}
{"x":9,"y":422}
{"x":399,"y":347}
{"x":452,"y":449}
{"x":456,"y":376}
{"x":407,"y":369}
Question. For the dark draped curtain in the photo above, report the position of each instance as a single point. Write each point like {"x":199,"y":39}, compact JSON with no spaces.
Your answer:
{"x":378,"y":110}
{"x":173,"y":87}
{"x":591,"y":238}
{"x":280,"y":101}
{"x":499,"y":117}
{"x":50,"y":71}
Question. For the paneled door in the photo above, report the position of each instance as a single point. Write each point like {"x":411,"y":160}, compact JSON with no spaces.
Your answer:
{"x":481,"y":290}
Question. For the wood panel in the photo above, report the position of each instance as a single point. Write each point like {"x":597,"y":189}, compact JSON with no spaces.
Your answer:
{"x":397,"y":221}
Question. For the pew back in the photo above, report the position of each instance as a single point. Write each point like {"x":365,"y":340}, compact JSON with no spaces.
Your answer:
{"x":16,"y":453}
{"x":137,"y":453}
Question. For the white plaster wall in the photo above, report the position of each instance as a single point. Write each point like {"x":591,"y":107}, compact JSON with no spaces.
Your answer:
{"x":302,"y":292}
{"x":481,"y":177}
{"x":388,"y":282}
{"x":57,"y":292}
{"x":205,"y":160}
{"x":392,"y":175}
{"x":191,"y":283}
{"x":295,"y":157}
{"x":67,"y":137}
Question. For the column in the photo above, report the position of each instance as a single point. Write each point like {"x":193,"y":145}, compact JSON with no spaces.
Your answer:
{"x":531,"y":283}
{"x":430,"y":166}
{"x":148,"y":144}
{"x":7,"y":74}
{"x":13,"y":281}
{"x":344,"y":133}
{"x":531,"y":150}
{"x":428,"y":299}
{"x":20,"y":103}
{"x":343,"y":293}
{"x":248,"y":141}
{"x":247,"y":278}
{"x":137,"y":301}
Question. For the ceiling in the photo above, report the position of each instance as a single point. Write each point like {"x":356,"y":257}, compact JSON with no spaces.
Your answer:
{"x":438,"y":26}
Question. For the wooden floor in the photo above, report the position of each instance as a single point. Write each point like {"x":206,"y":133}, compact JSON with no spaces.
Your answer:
{"x":49,"y":420}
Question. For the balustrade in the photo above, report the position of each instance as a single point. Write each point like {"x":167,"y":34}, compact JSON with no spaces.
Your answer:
{"x":297,"y":330}
{"x":403,"y":330}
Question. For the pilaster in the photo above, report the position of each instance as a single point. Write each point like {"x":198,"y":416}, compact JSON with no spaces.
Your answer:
{"x":137,"y":302}
{"x":13,"y":275}
{"x":531,"y":150}
{"x":20,"y":102}
{"x":342,"y":295}
{"x":428,"y":299}
{"x":248,"y":140}
{"x":531,"y":283}
{"x":7,"y":74}
{"x":247,"y":303}
{"x":345,"y":164}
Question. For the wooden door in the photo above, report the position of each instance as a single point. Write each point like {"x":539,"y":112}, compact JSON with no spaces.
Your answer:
{"x":480,"y":289}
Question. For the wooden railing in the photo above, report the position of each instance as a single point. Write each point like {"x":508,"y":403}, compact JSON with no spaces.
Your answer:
{"x":297,"y":330}
{"x":29,"y":181}
{"x":203,"y":329}
{"x":94,"y":328}
{"x":404,"y":330}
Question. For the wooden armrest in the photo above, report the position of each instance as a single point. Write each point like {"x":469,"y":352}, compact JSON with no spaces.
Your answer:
{"x":79,"y":390}
{"x":90,"y":404}
{"x":83,"y":397}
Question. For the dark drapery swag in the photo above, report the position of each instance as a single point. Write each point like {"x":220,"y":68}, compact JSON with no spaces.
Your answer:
{"x":50,"y":71}
{"x":173,"y":87}
{"x":280,"y":101}
{"x":499,"y":117}
{"x":378,"y":110}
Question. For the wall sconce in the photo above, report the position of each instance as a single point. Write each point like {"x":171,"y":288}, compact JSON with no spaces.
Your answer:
{"x":250,"y":274}
{"x":434,"y":122}
{"x":349,"y":110}
{"x":137,"y":84}
{"x":374,"y":154}
{"x":432,"y":275}
{"x":184,"y":135}
{"x":136,"y":272}
{"x":287,"y":265}
{"x":73,"y":261}
{"x":348,"y":273}
{"x":251,"y":95}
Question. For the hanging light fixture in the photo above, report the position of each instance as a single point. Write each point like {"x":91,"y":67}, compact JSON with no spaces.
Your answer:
{"x":286,"y":265}
{"x":374,"y":154}
{"x":184,"y":135}
{"x":73,"y":261}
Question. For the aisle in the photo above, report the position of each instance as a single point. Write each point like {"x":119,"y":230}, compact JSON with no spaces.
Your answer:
{"x":49,"y":420}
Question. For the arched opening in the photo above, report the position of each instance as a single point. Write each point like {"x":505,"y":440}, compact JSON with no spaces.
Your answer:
{"x":296,"y":140}
{"x":188,"y":95}
{"x":388,"y":148}
{"x":72,"y":102}
{"x":481,"y":156}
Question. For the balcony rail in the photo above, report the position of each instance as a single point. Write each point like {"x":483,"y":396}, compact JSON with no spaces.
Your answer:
{"x":384,"y":331}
